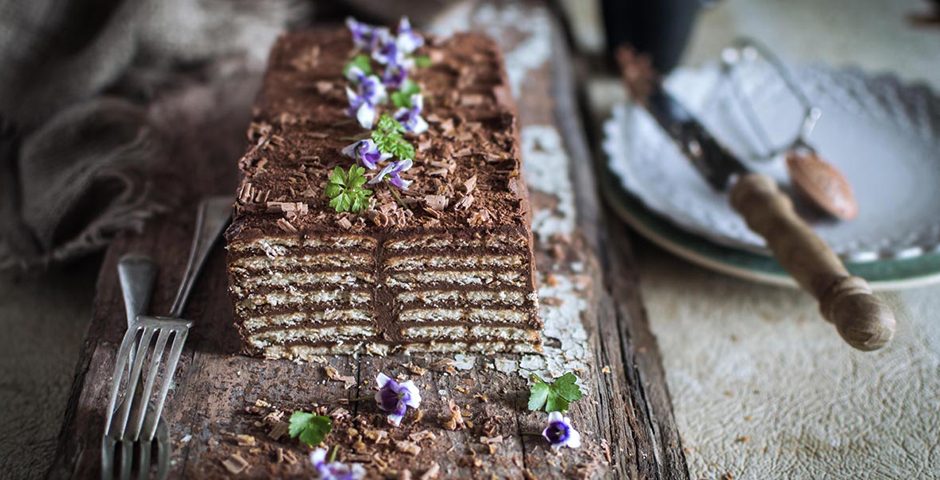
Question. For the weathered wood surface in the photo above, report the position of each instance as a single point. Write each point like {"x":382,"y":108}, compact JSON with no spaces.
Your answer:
{"x":626,"y":420}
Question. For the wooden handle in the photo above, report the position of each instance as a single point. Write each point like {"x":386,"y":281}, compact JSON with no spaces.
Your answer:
{"x":846,"y":301}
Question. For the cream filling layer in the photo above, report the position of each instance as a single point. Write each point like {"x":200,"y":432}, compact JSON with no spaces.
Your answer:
{"x":283,"y":279}
{"x":447,"y":241}
{"x":282,"y":244}
{"x":333,"y":260}
{"x":291,"y":319}
{"x":417,"y":262}
{"x":454,"y":332}
{"x":433,"y":297}
{"x":475,"y":315}
{"x":411,"y":280}
{"x":275,"y":299}
{"x":334,"y":334}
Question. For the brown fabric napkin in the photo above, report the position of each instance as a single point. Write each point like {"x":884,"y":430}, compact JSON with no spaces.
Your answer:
{"x":78,"y":164}
{"x":84,"y":175}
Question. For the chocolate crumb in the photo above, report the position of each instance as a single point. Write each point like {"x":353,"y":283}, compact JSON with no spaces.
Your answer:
{"x":408,"y":447}
{"x":551,"y":301}
{"x":344,"y":223}
{"x":323,"y":87}
{"x":283,"y":224}
{"x":415,"y":369}
{"x":431,"y":473}
{"x":454,"y":420}
{"x":334,"y":375}
{"x":235,"y":464}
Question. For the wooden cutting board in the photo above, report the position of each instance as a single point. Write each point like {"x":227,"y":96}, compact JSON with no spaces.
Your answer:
{"x":218,"y":405}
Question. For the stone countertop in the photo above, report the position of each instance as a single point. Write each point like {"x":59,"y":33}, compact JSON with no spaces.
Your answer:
{"x":761,"y":386}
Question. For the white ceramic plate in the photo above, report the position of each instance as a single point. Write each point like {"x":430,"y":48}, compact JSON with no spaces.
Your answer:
{"x":884,"y":135}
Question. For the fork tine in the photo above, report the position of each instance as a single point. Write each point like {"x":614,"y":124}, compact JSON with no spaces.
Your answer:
{"x":134,"y":379}
{"x":107,"y":457}
{"x":122,"y":359}
{"x":140,"y":410}
{"x":127,"y":459}
{"x":178,"y":340}
{"x":143,"y":462}
{"x":163,"y":451}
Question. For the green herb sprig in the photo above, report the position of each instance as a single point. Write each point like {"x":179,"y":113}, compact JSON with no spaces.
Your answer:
{"x":388,"y":137}
{"x":555,"y":396}
{"x":401,"y":98}
{"x":346,"y":189}
{"x":362,"y":61}
{"x":309,"y":428}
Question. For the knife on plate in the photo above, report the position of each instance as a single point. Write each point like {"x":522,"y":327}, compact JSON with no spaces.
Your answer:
{"x":864,"y":321}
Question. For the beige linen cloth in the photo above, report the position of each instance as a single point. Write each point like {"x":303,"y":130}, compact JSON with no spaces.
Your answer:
{"x":80,"y":149}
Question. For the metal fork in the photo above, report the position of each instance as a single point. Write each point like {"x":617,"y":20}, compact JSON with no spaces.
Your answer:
{"x":136,"y":274}
{"x":138,"y":415}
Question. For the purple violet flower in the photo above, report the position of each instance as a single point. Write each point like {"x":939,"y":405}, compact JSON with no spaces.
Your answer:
{"x":410,"y":118}
{"x":335,"y":470}
{"x":394,"y":398}
{"x":394,"y":76}
{"x":560,"y":433}
{"x":366,"y":152}
{"x":362,"y":33}
{"x":355,"y":75}
{"x":362,"y":101}
{"x":385,"y":49}
{"x":393,"y":170}
{"x":407,"y":40}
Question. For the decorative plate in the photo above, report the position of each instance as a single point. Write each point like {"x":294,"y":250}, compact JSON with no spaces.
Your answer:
{"x":883,"y":134}
{"x":885,"y":274}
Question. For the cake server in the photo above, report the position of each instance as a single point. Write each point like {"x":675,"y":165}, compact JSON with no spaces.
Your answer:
{"x":138,"y":416}
{"x":846,"y":301}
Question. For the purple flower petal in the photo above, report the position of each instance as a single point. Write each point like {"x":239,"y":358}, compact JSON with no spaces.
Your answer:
{"x":560,"y":433}
{"x":395,"y":76}
{"x":335,"y":470}
{"x":411,"y":118}
{"x":361,"y":33}
{"x":365,"y":152}
{"x":407,"y":40}
{"x":394,"y":398}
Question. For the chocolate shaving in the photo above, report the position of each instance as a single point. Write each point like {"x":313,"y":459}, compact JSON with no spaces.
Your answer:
{"x":235,"y":464}
{"x":464,"y":203}
{"x":334,"y":375}
{"x":469,"y":184}
{"x":286,"y":226}
{"x":431,"y":473}
{"x":455,"y":419}
{"x":324,"y":87}
{"x":408,"y":447}
{"x":436,"y":202}
{"x":307,"y":60}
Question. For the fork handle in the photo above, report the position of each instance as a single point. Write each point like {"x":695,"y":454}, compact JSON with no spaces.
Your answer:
{"x":864,"y":321}
{"x":213,"y":216}
{"x":137,"y":274}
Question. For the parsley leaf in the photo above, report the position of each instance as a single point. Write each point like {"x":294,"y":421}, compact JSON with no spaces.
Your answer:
{"x":402,"y":97}
{"x":389,"y":139}
{"x":310,"y":428}
{"x":361,"y":61}
{"x":422,"y":61}
{"x":345,"y":189}
{"x":555,"y":396}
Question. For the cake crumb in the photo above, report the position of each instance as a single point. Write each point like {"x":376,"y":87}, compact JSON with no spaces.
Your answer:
{"x":431,"y":473}
{"x":235,"y":464}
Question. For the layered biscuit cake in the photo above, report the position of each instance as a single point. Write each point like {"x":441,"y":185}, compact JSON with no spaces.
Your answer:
{"x":447,"y":267}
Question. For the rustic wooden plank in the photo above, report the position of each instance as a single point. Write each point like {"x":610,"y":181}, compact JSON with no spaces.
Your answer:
{"x":651,"y":448}
{"x":626,"y":420}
